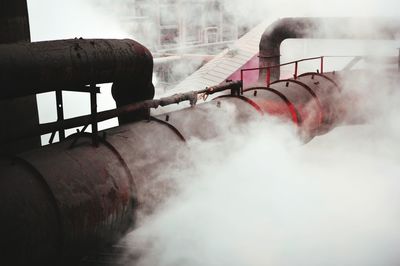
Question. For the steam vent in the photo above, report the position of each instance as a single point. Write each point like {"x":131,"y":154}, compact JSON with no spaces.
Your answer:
{"x":73,"y":192}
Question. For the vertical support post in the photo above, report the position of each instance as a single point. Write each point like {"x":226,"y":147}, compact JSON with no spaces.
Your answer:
{"x":241,"y":79}
{"x":60,"y":112}
{"x":93,"y":109}
{"x":296,"y":66}
{"x":268,"y":80}
{"x":399,"y":59}
{"x":322,"y":65}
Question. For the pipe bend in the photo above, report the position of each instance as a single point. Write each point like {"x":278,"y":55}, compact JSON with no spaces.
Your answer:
{"x":329,"y":28}
{"x":321,"y":28}
{"x":280,"y":30}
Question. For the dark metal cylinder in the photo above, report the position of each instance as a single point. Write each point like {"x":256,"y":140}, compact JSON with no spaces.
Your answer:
{"x":14,"y":27}
{"x":30,"y":223}
{"x":66,"y":203}
{"x":64,"y":200}
{"x":31,"y":68}
{"x":14,"y":22}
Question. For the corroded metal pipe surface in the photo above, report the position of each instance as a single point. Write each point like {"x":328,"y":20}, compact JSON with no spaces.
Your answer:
{"x":31,"y":68}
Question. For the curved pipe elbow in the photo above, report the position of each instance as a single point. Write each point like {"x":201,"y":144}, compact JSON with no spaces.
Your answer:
{"x":322,"y":28}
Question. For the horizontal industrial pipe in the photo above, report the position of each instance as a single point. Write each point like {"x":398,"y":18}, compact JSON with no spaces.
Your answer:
{"x":321,"y":28}
{"x":32,"y":68}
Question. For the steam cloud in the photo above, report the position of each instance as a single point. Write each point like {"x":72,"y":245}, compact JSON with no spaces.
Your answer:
{"x":257,"y":196}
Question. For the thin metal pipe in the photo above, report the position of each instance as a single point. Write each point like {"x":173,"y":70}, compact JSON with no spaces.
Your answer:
{"x":126,"y":109}
{"x":399,"y":60}
{"x":284,"y":64}
{"x":322,"y":65}
{"x":93,"y":109}
{"x":60,"y":112}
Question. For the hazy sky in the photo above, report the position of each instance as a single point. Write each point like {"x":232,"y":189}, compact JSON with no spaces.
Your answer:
{"x":65,"y":19}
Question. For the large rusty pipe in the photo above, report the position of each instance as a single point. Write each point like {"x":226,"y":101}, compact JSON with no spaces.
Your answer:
{"x":32,"y":68}
{"x":60,"y":202}
{"x":321,"y":28}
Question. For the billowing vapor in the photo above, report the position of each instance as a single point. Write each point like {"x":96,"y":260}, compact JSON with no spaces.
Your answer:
{"x":258,"y":196}
{"x":51,"y":20}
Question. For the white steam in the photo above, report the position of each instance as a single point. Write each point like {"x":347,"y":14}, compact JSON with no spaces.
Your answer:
{"x":51,"y":20}
{"x":257,"y":196}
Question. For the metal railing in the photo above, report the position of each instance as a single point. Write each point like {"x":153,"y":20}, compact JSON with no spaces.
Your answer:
{"x":95,"y":117}
{"x":354,"y":61}
{"x":296,"y":68}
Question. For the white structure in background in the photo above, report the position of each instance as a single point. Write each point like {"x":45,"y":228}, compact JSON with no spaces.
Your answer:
{"x":182,"y":34}
{"x":166,"y":25}
{"x":224,"y":64}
